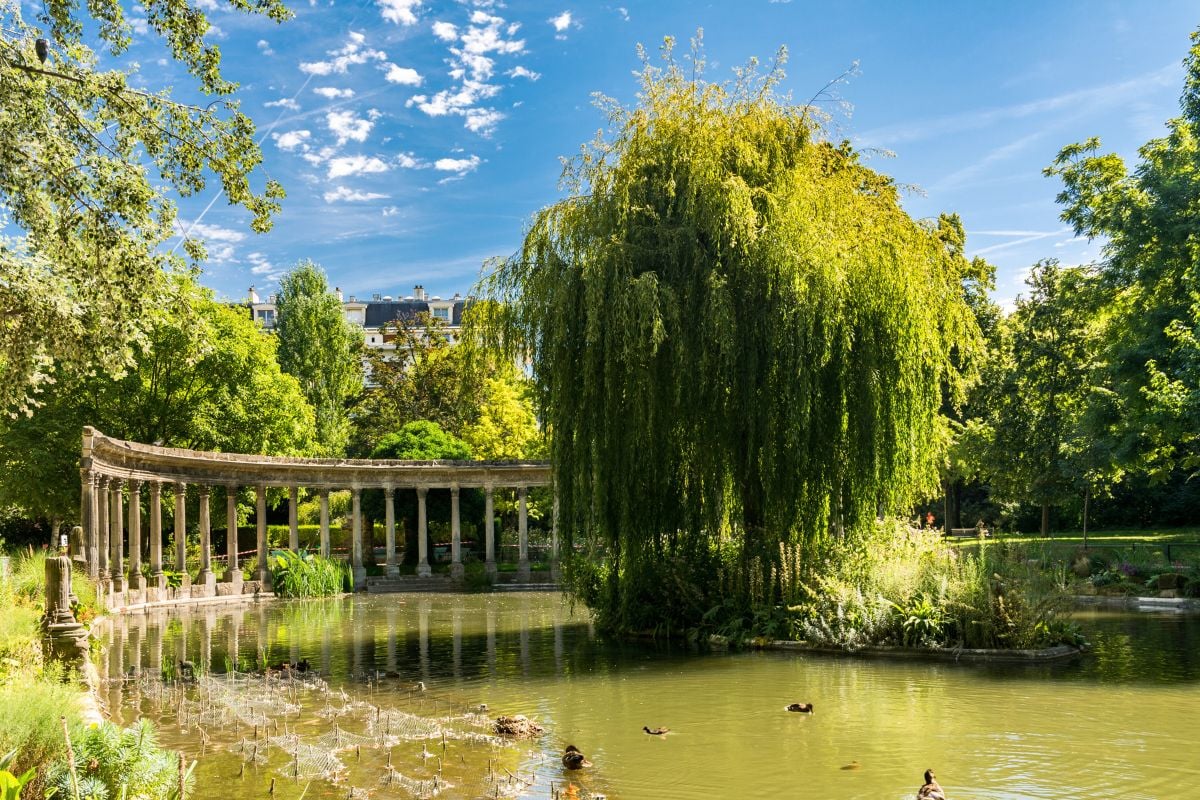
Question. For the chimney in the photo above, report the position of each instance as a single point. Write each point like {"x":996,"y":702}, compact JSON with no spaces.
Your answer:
{"x":253,"y":295}
{"x":337,"y":291}
{"x":419,"y":292}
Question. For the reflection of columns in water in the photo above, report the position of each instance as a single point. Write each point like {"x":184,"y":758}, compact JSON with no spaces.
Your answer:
{"x":135,"y":643}
{"x":235,"y":629}
{"x":156,"y":642}
{"x":264,"y":638}
{"x":558,"y":645}
{"x":423,"y":632}
{"x":491,"y":637}
{"x":391,"y":638}
{"x":116,"y":668}
{"x":181,"y":641}
{"x":326,"y":651}
{"x":357,"y":638}
{"x":525,"y":638}
{"x":206,"y":632}
{"x":456,"y":632}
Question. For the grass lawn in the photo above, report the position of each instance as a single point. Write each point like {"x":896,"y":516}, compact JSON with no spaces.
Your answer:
{"x":1183,"y":542}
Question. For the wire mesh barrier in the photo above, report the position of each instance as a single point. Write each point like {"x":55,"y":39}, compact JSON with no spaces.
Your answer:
{"x":288,"y":726}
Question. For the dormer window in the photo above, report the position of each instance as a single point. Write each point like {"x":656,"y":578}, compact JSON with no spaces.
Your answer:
{"x":442,"y":314}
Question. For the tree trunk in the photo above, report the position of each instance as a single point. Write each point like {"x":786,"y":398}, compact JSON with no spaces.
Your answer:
{"x":1087,"y":494}
{"x":1045,"y":520}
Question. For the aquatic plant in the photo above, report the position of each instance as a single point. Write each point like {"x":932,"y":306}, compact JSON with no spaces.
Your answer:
{"x":306,"y":575}
{"x":112,"y":762}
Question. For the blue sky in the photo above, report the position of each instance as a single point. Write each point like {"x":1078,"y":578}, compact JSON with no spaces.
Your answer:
{"x":416,"y":138}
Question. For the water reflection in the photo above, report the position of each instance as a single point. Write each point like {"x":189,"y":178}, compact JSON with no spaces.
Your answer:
{"x":1112,"y":723}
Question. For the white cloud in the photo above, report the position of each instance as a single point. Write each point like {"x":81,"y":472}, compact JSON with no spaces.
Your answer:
{"x":521,"y":72}
{"x":561,"y":22}
{"x":347,"y":127}
{"x":219,"y":242}
{"x":353,"y":53}
{"x":459,"y":165}
{"x":333,"y":93}
{"x":139,"y":25}
{"x":259,"y":265}
{"x":408,"y":161}
{"x":401,"y":12}
{"x":343,"y":194}
{"x":390,"y":211}
{"x":405,"y":76}
{"x":355,"y":165}
{"x":483,"y":120}
{"x":446,"y":31}
{"x":291,"y":140}
{"x":319,"y":157}
{"x":265,"y":47}
{"x":624,"y":12}
{"x":284,"y":102}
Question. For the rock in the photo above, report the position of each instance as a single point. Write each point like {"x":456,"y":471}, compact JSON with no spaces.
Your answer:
{"x":519,"y":727}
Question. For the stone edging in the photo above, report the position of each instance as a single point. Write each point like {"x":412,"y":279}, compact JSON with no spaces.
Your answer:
{"x":881,"y":651}
{"x":1137,"y":603}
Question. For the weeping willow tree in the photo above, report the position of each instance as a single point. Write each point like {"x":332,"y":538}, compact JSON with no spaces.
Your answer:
{"x":739,"y":341}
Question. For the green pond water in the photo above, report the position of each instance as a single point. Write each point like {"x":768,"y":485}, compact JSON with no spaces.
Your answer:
{"x":1118,"y":722}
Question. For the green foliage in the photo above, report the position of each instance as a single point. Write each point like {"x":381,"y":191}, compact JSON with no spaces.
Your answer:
{"x":117,"y":763}
{"x":735,"y":334}
{"x":1147,"y":219}
{"x":476,"y":577}
{"x":321,"y":349}
{"x":11,"y":785}
{"x":305,"y":575}
{"x":422,"y":440}
{"x":506,"y":427}
{"x":87,"y":170}
{"x":31,"y":707}
{"x":205,"y":377}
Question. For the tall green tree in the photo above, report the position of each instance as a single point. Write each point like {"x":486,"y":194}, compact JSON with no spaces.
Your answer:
{"x":738,"y":340}
{"x":205,"y":377}
{"x":1149,"y":218}
{"x":1039,"y":403}
{"x":88,"y":166}
{"x":321,"y":349}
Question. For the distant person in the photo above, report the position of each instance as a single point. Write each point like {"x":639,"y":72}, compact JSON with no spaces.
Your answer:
{"x":929,"y":519}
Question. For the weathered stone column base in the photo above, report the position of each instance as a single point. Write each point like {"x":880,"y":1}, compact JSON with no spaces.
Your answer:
{"x":457,"y":571}
{"x":185,"y":579}
{"x":137,"y":582}
{"x":360,"y":579}
{"x":160,"y":582}
{"x":207,"y":582}
{"x":555,"y":571}
{"x":118,"y":584}
{"x":424,"y":570}
{"x":490,"y":568}
{"x":523,"y":570}
{"x":392,"y":570}
{"x":235,"y":578}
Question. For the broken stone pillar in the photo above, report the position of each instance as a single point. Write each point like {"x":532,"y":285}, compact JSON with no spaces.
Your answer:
{"x":66,"y":639}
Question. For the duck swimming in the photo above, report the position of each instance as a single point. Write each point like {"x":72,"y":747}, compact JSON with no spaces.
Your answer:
{"x":656,"y":731}
{"x":803,"y":708}
{"x":573,"y":759}
{"x":932,"y":790}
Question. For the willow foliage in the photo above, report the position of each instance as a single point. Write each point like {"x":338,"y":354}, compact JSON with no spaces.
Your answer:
{"x":738,"y":337}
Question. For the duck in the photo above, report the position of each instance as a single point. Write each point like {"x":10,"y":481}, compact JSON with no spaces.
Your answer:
{"x":573,"y":759}
{"x":301,"y":666}
{"x":932,"y":790}
{"x":802,"y":708}
{"x":656,"y":731}
{"x":186,"y":671}
{"x":853,"y":765}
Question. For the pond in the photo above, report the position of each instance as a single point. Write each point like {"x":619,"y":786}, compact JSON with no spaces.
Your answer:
{"x":1119,"y":722}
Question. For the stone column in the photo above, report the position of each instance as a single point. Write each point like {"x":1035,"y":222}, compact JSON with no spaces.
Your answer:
{"x":456,"y":567}
{"x":137,"y":581}
{"x":323,"y":497}
{"x":206,"y":579}
{"x":523,"y":535}
{"x":293,"y":520}
{"x":389,"y":502}
{"x":234,"y":574}
{"x":260,"y":524}
{"x":185,"y":577}
{"x":489,"y":531}
{"x":102,"y":546}
{"x":116,"y":535}
{"x":356,"y":546}
{"x":157,"y":579}
{"x":87,"y":519}
{"x":423,"y":569}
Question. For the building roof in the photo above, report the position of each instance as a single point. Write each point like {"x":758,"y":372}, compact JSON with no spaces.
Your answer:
{"x":381,"y":312}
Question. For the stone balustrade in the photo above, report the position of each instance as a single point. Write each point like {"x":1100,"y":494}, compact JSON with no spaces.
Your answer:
{"x":115,"y":472}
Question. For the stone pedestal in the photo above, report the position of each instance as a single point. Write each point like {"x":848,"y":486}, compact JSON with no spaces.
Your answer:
{"x":490,"y":567}
{"x":360,"y":578}
{"x":207,"y":583}
{"x":555,"y":571}
{"x":457,"y":571}
{"x":66,"y":639}
{"x":424,"y":570}
{"x":523,"y":571}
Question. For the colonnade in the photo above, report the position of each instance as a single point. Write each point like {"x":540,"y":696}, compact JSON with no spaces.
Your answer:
{"x":115,"y":474}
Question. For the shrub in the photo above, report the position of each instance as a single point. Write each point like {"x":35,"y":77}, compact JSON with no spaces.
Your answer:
{"x":30,"y":712}
{"x":112,"y":762}
{"x":305,"y":575}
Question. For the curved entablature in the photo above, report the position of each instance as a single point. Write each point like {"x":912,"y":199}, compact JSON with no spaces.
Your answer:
{"x":126,"y":460}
